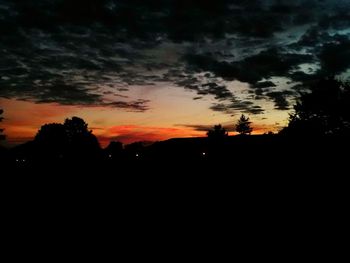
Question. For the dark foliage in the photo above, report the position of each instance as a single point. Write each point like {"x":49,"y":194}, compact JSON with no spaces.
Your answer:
{"x":217,"y":133}
{"x":243,"y":125}
{"x":325,"y":111}
{"x":52,"y":139}
{"x":2,"y":137}
{"x":69,"y":140}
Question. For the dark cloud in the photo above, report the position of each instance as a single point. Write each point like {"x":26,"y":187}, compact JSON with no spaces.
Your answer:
{"x":135,"y":106}
{"x":258,"y":92}
{"x":236,"y":105}
{"x":312,"y":37}
{"x":266,"y":64}
{"x":178,"y":20}
{"x":206,"y":86}
{"x":220,"y":107}
{"x":189,"y":83}
{"x":71,"y":70}
{"x":82,"y":52}
{"x":338,"y":20}
{"x":55,"y":91}
{"x":219,"y":91}
{"x":146,"y":19}
{"x":203,"y":128}
{"x":263,"y":84}
{"x":254,"y":110}
{"x":280,"y":99}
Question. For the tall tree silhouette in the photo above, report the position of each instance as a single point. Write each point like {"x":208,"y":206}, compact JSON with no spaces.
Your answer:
{"x":323,"y":111}
{"x":243,"y":125}
{"x":218,"y":132}
{"x":2,"y":137}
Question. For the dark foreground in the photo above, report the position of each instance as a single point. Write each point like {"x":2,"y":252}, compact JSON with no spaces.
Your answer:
{"x":269,"y":188}
{"x":235,"y":157}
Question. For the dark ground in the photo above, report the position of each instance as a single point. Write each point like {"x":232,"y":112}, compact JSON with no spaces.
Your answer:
{"x":267,"y":191}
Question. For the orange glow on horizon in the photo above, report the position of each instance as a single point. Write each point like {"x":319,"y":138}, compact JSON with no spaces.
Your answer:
{"x":132,"y":133}
{"x":23,"y":119}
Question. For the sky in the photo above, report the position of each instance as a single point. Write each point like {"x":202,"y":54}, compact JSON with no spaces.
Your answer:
{"x":139,"y":70}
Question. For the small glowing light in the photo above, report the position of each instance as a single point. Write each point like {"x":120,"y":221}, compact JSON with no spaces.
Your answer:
{"x":137,"y":155}
{"x":24,"y":160}
{"x":204,"y":154}
{"x":17,"y":160}
{"x":110,"y":156}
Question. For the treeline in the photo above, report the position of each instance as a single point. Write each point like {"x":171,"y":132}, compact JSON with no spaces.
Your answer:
{"x":320,"y":117}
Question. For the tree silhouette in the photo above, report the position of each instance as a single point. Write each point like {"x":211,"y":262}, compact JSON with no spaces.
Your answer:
{"x":218,"y":132}
{"x":52,"y":139}
{"x":323,"y":111}
{"x":81,"y":140}
{"x":2,"y":137}
{"x":243,"y":126}
{"x":71,"y":139}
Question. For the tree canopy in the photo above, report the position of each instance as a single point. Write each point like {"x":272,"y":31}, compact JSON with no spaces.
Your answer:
{"x":323,"y":111}
{"x":73,"y":138}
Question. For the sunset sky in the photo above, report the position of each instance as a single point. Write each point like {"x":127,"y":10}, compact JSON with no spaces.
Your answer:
{"x":150,"y":70}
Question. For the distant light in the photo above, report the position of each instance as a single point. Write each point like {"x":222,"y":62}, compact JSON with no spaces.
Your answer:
{"x":24,"y":160}
{"x":137,"y":155}
{"x":204,"y":154}
{"x":110,"y":156}
{"x":17,"y":160}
